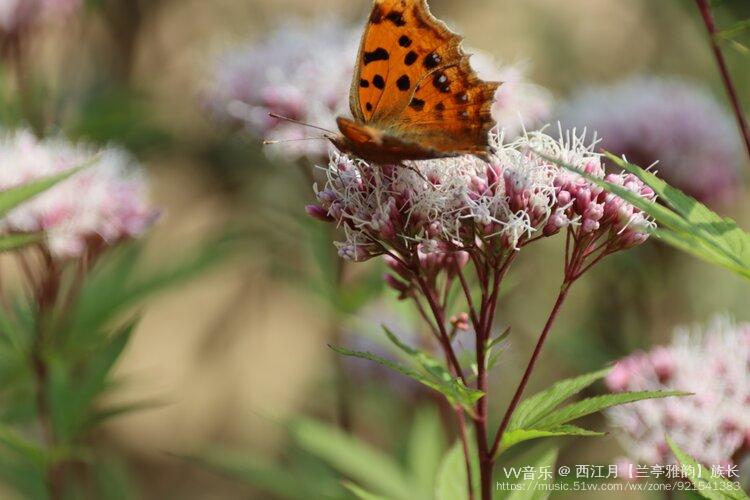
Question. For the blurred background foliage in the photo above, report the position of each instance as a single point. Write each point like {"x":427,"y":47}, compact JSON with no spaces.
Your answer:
{"x":239,"y":353}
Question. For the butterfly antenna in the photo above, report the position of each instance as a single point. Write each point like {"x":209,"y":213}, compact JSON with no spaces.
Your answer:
{"x":292,"y":120}
{"x":281,"y":141}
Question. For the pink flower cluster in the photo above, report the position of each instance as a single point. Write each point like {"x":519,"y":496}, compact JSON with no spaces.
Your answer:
{"x":598,"y":212}
{"x":107,"y":201}
{"x":713,"y":424}
{"x":444,"y":206}
{"x":18,"y":15}
{"x":302,"y":71}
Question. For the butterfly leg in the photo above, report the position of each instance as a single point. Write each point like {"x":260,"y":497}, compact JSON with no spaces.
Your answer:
{"x":415,"y":170}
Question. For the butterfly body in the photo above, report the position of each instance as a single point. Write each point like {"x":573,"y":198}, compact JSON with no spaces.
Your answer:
{"x":414,"y":95}
{"x":377,"y":146}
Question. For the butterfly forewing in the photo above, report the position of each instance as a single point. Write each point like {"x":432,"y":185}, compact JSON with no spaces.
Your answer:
{"x":401,"y":44}
{"x":414,"y":84}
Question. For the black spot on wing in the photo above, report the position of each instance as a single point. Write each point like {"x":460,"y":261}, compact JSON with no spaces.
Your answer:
{"x":432,"y":60}
{"x":462,"y":98}
{"x":403,"y":83}
{"x":377,"y":15}
{"x":404,"y":41}
{"x":364,"y":83}
{"x":416,"y":104}
{"x":368,"y":106}
{"x":378,"y":81}
{"x":396,"y":18}
{"x":441,"y":82}
{"x":440,"y":106}
{"x":379,"y":54}
{"x":410,"y":58}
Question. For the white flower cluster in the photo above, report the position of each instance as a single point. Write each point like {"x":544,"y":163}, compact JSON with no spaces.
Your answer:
{"x":107,"y":200}
{"x":713,"y":363}
{"x":448,"y":204}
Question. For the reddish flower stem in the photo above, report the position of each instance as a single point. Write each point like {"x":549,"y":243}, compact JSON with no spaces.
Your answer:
{"x":708,"y":19}
{"x":467,"y":293}
{"x":530,"y":367}
{"x":440,"y":320}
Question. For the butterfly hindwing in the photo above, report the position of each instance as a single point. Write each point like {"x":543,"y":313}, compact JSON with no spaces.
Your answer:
{"x":415,"y":83}
{"x":451,"y":109}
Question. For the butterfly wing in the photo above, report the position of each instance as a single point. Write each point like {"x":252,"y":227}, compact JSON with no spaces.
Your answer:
{"x":415,"y":83}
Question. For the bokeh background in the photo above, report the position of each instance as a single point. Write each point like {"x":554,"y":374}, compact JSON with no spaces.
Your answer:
{"x":238,"y":352}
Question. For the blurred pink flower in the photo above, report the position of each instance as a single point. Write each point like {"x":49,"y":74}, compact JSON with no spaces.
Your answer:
{"x":519,"y":103}
{"x":18,"y":15}
{"x":669,"y":120}
{"x":713,"y":362}
{"x":107,"y":201}
{"x":302,"y":71}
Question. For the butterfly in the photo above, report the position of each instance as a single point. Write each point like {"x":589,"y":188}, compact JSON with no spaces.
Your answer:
{"x":414,"y":95}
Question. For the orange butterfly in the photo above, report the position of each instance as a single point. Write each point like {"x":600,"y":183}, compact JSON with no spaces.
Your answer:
{"x":414,"y":95}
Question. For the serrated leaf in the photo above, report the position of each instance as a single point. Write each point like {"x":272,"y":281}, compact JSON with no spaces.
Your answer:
{"x":597,"y":403}
{"x":436,"y":378}
{"x":707,"y":485}
{"x":516,"y":436}
{"x":353,"y":458}
{"x":541,"y":404}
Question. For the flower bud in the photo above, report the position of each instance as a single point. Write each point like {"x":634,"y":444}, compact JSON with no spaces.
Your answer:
{"x":317,"y":212}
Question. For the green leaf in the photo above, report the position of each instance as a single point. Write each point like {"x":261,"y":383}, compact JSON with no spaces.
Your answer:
{"x":257,"y":471}
{"x":425,"y":449}
{"x":538,"y":459}
{"x":19,"y":240}
{"x":597,"y":403}
{"x":540,"y":405}
{"x":11,"y":198}
{"x":716,"y":239}
{"x":706,"y":484}
{"x":361,"y":493}
{"x":735,"y":30}
{"x":516,"y":436}
{"x":436,"y":378}
{"x":460,"y":394}
{"x":116,"y":285}
{"x":452,"y":482}
{"x":100,"y":415}
{"x":73,"y":397}
{"x":27,"y":449}
{"x":114,"y":481}
{"x":353,"y":458}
